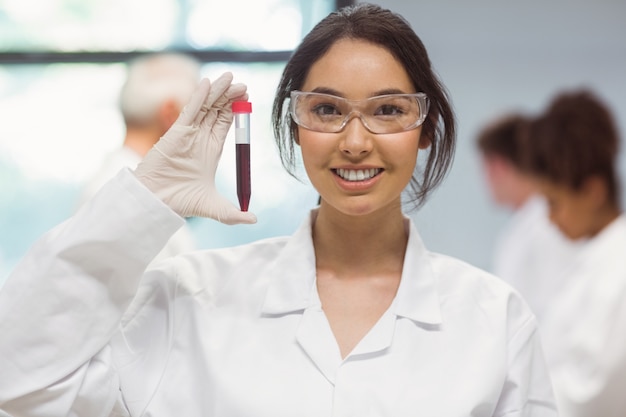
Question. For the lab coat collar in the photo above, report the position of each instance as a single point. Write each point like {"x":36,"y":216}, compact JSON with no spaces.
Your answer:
{"x":292,"y":275}
{"x":292,"y":279}
{"x":609,"y":240}
{"x":614,"y":230}
{"x":417,"y":298}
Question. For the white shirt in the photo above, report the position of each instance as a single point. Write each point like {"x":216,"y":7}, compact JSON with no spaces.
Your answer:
{"x":241,"y":332}
{"x":584,"y":331}
{"x":532,"y":255}
{"x":181,"y":242}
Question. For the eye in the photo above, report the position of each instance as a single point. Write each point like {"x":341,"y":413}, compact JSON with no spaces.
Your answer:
{"x":326,"y":110}
{"x":389,"y":110}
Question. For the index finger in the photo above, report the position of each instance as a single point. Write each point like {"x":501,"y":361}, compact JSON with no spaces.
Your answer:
{"x":194,"y":106}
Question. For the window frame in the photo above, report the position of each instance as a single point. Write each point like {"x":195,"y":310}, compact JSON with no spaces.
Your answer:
{"x":26,"y":57}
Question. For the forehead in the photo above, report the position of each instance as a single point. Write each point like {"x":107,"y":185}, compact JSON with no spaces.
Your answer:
{"x":358,"y":69}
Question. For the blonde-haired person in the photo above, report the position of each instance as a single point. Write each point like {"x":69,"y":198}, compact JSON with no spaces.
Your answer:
{"x":156,"y":88}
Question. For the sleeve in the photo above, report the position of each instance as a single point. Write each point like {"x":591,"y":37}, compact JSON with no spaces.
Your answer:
{"x":527,"y":390}
{"x":64,"y":301}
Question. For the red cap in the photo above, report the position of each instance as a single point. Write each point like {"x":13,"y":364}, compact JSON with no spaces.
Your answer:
{"x":242,"y":107}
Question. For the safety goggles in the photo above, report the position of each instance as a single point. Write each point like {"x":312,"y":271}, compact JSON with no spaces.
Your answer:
{"x":390,"y":113}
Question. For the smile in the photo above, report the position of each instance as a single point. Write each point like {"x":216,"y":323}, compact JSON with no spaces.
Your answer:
{"x":357,"y":174}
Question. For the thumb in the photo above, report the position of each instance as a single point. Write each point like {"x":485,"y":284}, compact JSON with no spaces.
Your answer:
{"x":229,"y":214}
{"x":240,"y":217}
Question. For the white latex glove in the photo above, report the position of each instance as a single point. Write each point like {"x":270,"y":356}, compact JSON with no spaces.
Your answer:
{"x":180,"y":168}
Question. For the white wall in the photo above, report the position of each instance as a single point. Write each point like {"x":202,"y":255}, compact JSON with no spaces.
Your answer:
{"x":496,"y":56}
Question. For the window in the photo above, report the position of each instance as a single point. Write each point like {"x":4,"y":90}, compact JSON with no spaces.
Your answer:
{"x":61,"y":66}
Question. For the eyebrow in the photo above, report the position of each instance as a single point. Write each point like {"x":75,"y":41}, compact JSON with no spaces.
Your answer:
{"x":333,"y":92}
{"x":326,"y":90}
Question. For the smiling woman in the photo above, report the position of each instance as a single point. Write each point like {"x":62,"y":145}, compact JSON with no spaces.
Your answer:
{"x":359,"y":70}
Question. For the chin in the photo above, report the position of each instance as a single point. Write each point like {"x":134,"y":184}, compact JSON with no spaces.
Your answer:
{"x":356,"y":210}
{"x":349,"y":207}
{"x":571,"y":235}
{"x":363,"y":208}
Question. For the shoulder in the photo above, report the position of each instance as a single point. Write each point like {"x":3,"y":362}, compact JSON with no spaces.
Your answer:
{"x":455,"y":275}
{"x":202,"y":274}
{"x":603,"y":255}
{"x":479,"y":295}
{"x":203,"y":268}
{"x":464,"y":290}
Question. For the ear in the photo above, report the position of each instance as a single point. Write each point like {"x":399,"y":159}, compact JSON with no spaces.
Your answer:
{"x":425,"y":141}
{"x":296,"y":136}
{"x":427,"y":133}
{"x":168,"y":113}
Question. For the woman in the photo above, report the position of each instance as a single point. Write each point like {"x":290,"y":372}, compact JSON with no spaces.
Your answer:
{"x":350,"y":316}
{"x":572,"y":151}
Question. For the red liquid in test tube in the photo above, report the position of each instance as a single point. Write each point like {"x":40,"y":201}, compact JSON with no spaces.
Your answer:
{"x":241,"y":111}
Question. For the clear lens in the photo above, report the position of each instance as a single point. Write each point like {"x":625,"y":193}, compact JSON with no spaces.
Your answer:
{"x":390,"y":113}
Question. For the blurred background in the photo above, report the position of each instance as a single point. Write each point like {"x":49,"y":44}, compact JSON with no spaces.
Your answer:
{"x":62,"y":65}
{"x":498,"y":56}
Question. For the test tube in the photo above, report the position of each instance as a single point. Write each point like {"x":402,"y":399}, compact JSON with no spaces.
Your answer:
{"x":241,"y":111}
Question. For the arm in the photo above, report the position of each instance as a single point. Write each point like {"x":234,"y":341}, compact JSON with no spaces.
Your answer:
{"x":63,"y":303}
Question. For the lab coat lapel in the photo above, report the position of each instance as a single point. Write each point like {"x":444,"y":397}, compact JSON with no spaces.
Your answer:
{"x":417,"y":297}
{"x":292,"y":290}
{"x":292,"y":275}
{"x":315,"y":337}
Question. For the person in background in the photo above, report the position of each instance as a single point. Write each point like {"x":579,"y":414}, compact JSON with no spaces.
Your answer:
{"x":571,"y":153}
{"x":156,"y":88}
{"x":349,"y":316}
{"x":530,"y":253}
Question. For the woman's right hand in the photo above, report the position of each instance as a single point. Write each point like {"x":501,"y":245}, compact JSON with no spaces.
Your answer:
{"x":180,"y":168}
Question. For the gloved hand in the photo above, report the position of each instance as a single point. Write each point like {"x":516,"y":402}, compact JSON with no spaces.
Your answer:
{"x":180,"y":168}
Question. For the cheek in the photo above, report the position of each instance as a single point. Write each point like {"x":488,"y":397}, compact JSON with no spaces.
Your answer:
{"x":408,"y":160}
{"x":315,"y":149}
{"x":558,"y":220}
{"x":564,"y":217}
{"x":306,"y":143}
{"x":404,"y":152}
{"x":556,"y":215}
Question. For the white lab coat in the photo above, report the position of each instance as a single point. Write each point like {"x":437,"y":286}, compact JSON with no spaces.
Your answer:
{"x":584,"y":330}
{"x":182,"y":241}
{"x":532,"y":255}
{"x":240,"y":332}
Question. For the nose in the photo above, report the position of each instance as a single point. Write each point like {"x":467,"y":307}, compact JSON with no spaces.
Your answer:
{"x":356,"y":140}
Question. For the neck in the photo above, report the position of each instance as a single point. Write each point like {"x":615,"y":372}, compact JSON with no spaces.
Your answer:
{"x":360,"y":245}
{"x":141,"y":140}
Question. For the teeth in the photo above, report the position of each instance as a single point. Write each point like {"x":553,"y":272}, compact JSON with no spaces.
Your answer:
{"x":357,"y":174}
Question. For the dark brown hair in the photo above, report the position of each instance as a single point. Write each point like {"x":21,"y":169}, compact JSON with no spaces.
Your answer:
{"x":382,"y":27}
{"x":503,"y":138}
{"x":576,"y":138}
